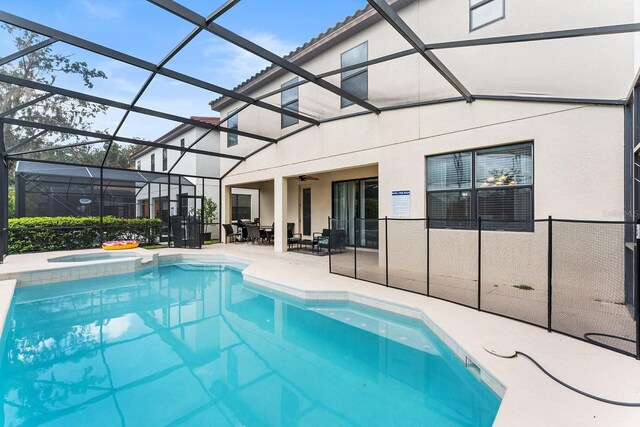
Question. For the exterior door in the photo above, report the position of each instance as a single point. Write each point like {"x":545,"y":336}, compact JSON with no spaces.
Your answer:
{"x":355,"y":210}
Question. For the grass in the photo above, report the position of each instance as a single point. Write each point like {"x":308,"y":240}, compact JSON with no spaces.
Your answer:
{"x":523,"y":287}
{"x":211,"y":242}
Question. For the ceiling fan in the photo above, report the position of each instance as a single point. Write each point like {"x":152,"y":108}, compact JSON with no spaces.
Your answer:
{"x":303,"y":178}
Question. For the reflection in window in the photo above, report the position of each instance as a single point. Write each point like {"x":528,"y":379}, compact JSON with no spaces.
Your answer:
{"x":240,"y":207}
{"x":501,"y":192}
{"x":289,"y":101}
{"x":232,"y":123}
{"x":485,"y":12}
{"x":355,"y":81}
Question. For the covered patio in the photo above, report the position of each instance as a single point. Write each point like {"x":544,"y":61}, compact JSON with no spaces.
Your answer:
{"x":310,"y":200}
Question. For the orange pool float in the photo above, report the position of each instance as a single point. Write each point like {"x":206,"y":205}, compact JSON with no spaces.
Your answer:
{"x":115,"y":245}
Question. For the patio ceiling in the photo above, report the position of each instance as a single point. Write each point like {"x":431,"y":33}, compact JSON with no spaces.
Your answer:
{"x":201,"y":25}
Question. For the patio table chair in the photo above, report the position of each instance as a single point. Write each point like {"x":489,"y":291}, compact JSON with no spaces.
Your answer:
{"x":253,"y":233}
{"x":331,"y":240}
{"x":292,"y":238}
{"x":228,"y":231}
{"x":267,"y":233}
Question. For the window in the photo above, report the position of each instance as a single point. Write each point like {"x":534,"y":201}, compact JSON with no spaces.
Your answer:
{"x":232,"y":123}
{"x":240,"y":206}
{"x":289,"y":102}
{"x":153,"y":162}
{"x":181,"y":142}
{"x":356,"y":82}
{"x":495,"y":184}
{"x":138,"y":165}
{"x":484,"y":12}
{"x":164,"y":159}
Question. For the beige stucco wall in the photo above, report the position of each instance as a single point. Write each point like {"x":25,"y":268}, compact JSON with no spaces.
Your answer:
{"x":578,"y":151}
{"x":578,"y":174}
{"x":578,"y":148}
{"x":589,"y":67}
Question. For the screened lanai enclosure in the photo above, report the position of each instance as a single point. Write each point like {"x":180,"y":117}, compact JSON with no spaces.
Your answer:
{"x":47,"y":189}
{"x":72,"y":134}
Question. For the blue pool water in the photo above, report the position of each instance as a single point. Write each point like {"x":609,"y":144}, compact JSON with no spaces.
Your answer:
{"x":190,"y":344}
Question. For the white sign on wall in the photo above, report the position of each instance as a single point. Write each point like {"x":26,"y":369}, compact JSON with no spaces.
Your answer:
{"x":401,"y":203}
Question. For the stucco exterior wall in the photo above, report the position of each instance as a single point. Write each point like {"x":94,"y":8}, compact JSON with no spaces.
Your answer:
{"x":578,"y":151}
{"x":600,"y":67}
{"x":578,"y":148}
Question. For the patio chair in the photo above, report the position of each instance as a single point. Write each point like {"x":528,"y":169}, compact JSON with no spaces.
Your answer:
{"x":266,"y":234}
{"x":228,"y":231}
{"x":253,"y":233}
{"x":292,"y":238}
{"x":331,"y":240}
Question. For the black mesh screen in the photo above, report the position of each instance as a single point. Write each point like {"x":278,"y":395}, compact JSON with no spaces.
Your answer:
{"x":407,"y":249}
{"x":342,"y":257}
{"x":488,"y":265}
{"x":514,"y":272}
{"x":369,"y":261}
{"x":592,"y":297}
{"x":453,"y":264}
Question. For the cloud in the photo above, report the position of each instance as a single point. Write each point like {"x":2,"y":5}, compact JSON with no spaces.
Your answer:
{"x":233,"y":65}
{"x":102,"y":9}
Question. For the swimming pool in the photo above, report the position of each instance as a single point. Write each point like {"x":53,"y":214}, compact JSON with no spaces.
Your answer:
{"x":190,"y":344}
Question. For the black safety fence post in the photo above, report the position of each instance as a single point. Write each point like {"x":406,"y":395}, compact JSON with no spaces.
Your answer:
{"x":549,"y":272}
{"x":637,"y":282}
{"x":386,"y":250}
{"x":101,"y":205}
{"x":355,"y":247}
{"x":428,"y":227}
{"x":479,"y":260}
{"x":4,"y":199}
{"x":329,"y":245}
{"x":201,"y":219}
{"x":169,"y":230}
{"x":220,"y":213}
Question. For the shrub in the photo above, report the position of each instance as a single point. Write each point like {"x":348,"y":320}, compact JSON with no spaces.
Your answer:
{"x":41,"y":234}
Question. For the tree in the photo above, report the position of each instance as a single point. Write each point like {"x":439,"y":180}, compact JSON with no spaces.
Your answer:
{"x":44,"y":66}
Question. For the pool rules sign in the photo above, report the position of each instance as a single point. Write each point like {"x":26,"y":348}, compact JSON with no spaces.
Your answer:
{"x":401,"y":203}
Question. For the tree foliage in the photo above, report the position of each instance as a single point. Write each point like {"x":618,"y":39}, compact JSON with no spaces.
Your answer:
{"x":45,"y":66}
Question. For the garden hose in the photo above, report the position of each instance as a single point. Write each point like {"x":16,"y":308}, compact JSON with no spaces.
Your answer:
{"x":562,"y":383}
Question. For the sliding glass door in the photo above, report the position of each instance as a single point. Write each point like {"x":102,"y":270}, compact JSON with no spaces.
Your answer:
{"x":357,"y":199}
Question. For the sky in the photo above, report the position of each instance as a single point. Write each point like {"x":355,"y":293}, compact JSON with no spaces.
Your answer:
{"x":140,"y":29}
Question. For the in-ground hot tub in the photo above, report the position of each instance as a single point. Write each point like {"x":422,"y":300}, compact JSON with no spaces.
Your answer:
{"x":94,"y":256}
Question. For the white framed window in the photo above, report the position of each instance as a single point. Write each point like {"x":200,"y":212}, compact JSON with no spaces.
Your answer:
{"x":153,"y":162}
{"x":164,"y":159}
{"x":485,"y":12}
{"x":356,"y":82}
{"x":495,"y":184}
{"x":232,"y":123}
{"x":290,"y":102}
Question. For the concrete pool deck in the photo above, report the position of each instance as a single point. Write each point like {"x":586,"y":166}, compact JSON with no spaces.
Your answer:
{"x":531,"y":397}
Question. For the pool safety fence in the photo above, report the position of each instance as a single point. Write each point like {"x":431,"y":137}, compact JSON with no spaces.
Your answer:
{"x":578,"y":278}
